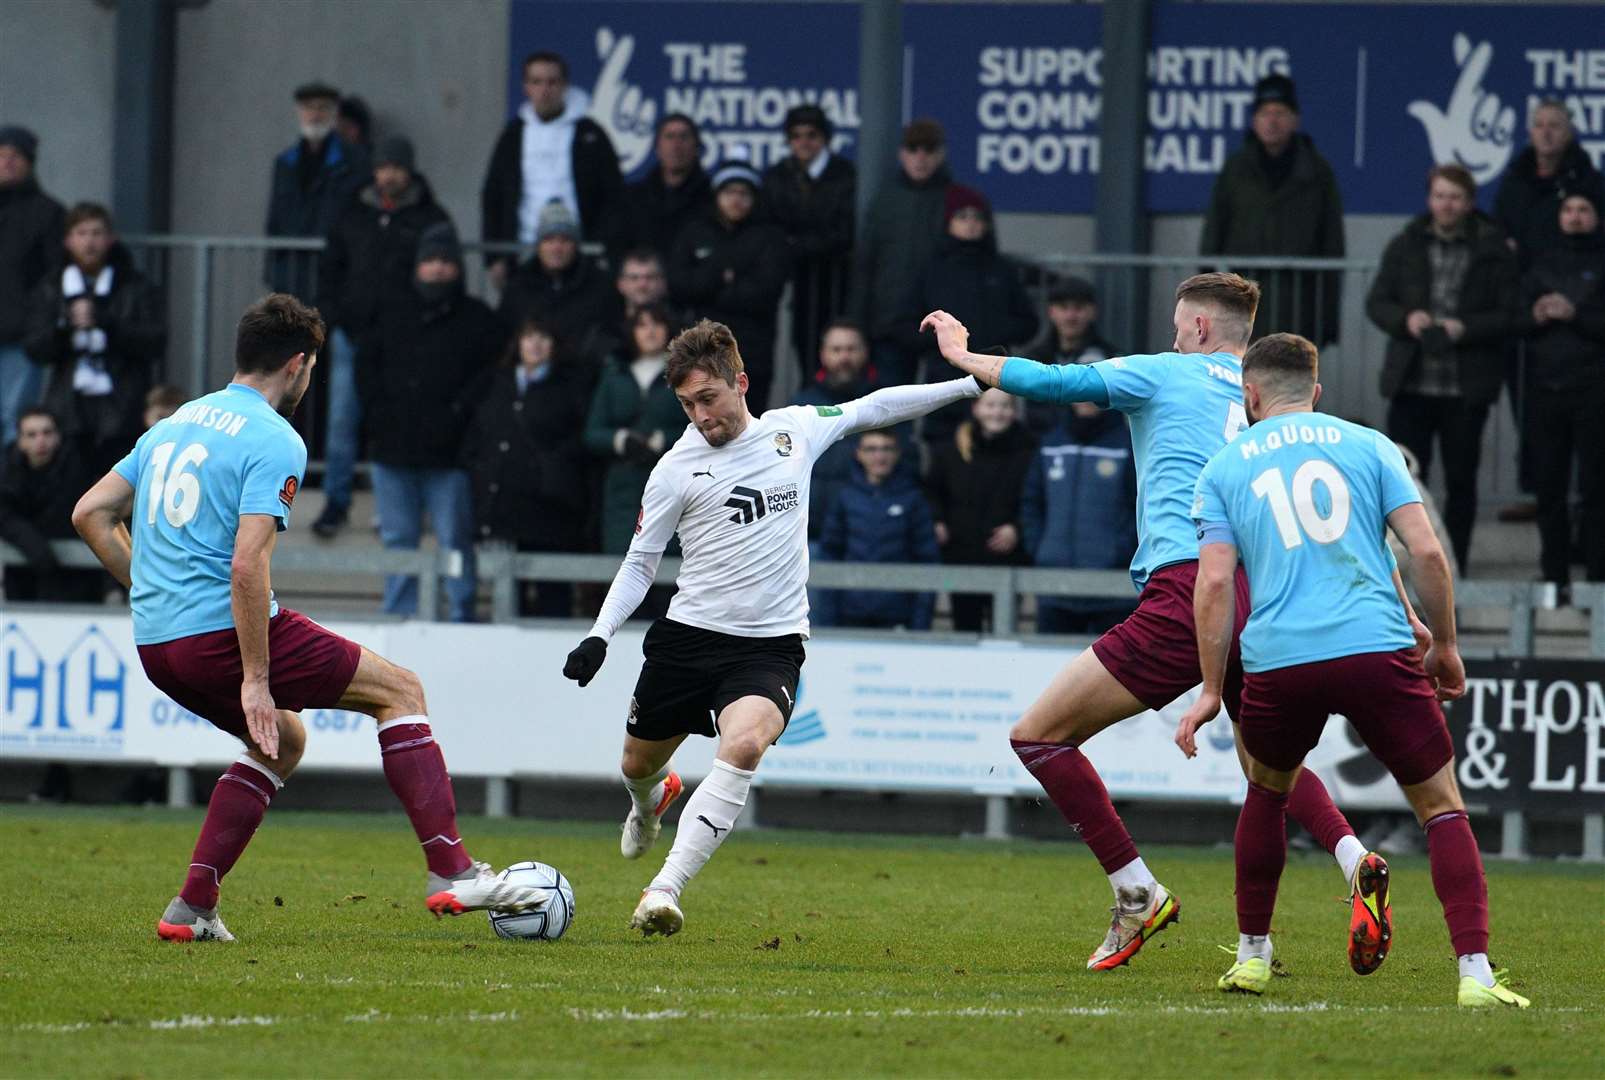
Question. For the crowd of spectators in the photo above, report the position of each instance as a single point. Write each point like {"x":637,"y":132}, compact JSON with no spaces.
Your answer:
{"x":532,"y":417}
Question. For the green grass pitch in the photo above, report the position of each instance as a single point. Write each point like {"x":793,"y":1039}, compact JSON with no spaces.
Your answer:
{"x":802,"y":954}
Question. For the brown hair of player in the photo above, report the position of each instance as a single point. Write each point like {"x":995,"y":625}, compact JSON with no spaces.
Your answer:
{"x":274,"y":329}
{"x":708,"y":346}
{"x":1284,"y":366}
{"x":1232,"y":295}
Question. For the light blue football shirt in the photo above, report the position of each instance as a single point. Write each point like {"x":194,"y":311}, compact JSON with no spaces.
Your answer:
{"x":1306,"y":497}
{"x":218,"y":457}
{"x":1181,"y":407}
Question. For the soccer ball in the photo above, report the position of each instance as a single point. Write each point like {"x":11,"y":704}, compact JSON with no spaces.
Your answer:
{"x":547,"y":924}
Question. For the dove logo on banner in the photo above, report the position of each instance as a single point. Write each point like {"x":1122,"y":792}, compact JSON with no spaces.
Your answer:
{"x":1474,"y":129}
{"x":625,"y":113}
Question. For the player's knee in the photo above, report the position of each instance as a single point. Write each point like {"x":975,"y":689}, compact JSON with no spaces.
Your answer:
{"x":292,"y":744}
{"x":743,"y":749}
{"x":409,"y":692}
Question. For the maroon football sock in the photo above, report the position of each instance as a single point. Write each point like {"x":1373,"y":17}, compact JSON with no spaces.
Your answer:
{"x":238,"y":802}
{"x":416,"y":770}
{"x":1076,"y":789}
{"x":1313,"y":808}
{"x":1458,"y":880}
{"x":1261,"y":846}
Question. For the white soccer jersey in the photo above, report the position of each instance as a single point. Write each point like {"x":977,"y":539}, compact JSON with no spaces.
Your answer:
{"x":741,"y":510}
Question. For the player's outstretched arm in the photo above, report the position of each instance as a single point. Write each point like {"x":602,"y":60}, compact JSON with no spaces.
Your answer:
{"x":895,"y":404}
{"x":1058,"y":383}
{"x":1214,"y":612}
{"x":99,"y":518}
{"x":250,"y":596}
{"x":1429,"y":573}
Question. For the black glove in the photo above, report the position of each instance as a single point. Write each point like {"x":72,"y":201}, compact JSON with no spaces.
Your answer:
{"x":585,"y":661}
{"x":638,"y":449}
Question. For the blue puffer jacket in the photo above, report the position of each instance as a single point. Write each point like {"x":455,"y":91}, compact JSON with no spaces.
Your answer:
{"x":1078,"y":509}
{"x":889,"y":523}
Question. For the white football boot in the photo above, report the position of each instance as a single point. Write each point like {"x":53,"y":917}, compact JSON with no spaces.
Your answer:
{"x":479,"y":888}
{"x":657,"y":913}
{"x":641,"y":830}
{"x":180,"y":922}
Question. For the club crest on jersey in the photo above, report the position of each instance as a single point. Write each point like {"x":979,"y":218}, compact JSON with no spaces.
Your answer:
{"x":783,"y":444}
{"x":287,"y":492}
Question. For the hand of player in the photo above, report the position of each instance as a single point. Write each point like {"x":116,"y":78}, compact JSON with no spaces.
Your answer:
{"x":1205,"y":709}
{"x":1422,"y":635}
{"x":585,"y":661}
{"x":1416,"y":322}
{"x":1446,"y":671}
{"x":261,"y":716}
{"x":951,"y":336}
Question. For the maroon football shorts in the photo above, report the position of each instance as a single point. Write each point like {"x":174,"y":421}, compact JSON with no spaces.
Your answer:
{"x":310,"y":669}
{"x":1154,"y":652}
{"x":1385,"y":695}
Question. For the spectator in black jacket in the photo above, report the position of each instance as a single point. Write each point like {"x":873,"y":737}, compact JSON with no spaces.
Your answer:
{"x":528,"y":464}
{"x":1079,"y":511}
{"x":1278,"y":196}
{"x":1447,"y":295}
{"x":675,"y":192}
{"x":564,"y":290}
{"x":810,"y":194}
{"x":99,"y":326}
{"x":40,"y":482}
{"x":880,"y":515}
{"x":731,"y":266}
{"x":369,"y":259}
{"x":30,"y":249}
{"x":1073,"y":338}
{"x":552,"y":150}
{"x":1564,"y":320}
{"x":1552,"y":166}
{"x":975,"y":484}
{"x":312,"y":182}
{"x":982,"y":289}
{"x":900,"y":231}
{"x":416,"y":374}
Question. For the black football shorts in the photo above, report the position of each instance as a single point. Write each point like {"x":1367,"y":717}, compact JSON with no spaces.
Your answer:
{"x":691,"y":675}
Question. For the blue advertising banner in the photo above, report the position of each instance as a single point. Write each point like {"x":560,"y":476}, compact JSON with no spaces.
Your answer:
{"x":733,"y":68}
{"x":1385,"y":91}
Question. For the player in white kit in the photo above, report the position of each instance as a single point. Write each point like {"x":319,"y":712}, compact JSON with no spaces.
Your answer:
{"x":725,"y":660}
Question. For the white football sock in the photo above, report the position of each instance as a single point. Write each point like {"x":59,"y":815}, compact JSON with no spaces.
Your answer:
{"x":1348,"y":855}
{"x":1476,"y":965}
{"x":1134,"y":875}
{"x":1251,"y":945}
{"x":707,"y":819}
{"x":647,"y":792}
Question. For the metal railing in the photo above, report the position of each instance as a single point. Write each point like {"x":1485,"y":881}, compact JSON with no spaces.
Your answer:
{"x":209,"y":280}
{"x":501,"y":569}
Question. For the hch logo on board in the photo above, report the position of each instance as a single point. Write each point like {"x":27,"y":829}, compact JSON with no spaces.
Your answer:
{"x":72,"y":700}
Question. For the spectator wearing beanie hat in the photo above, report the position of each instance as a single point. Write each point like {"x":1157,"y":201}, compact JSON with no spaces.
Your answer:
{"x":731,"y":266}
{"x":899,"y":234}
{"x":810,"y":194}
{"x":1278,"y":196}
{"x":1563,"y":320}
{"x":981,"y":288}
{"x":564,"y":290}
{"x":370,"y":258}
{"x":417,"y":374}
{"x":30,"y":251}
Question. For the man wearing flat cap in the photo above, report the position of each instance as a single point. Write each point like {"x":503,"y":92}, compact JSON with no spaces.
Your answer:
{"x":1278,"y":196}
{"x":313,"y":180}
